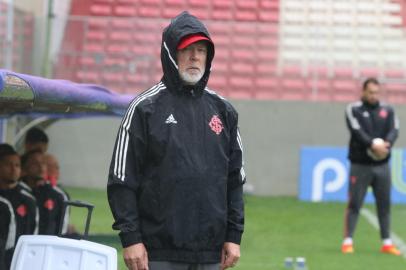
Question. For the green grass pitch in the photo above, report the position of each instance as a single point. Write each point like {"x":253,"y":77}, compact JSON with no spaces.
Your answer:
{"x":276,"y":228}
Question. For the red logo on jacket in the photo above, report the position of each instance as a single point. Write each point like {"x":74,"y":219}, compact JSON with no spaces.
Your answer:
{"x":216,"y":125}
{"x":22,"y":210}
{"x":383,"y":113}
{"x":49,"y":204}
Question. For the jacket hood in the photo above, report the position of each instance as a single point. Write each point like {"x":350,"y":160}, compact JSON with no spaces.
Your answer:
{"x":182,"y":25}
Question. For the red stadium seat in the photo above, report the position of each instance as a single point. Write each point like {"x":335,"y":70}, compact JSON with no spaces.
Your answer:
{"x":220,"y":40}
{"x":151,"y":2}
{"x":220,"y":67}
{"x":395,"y":87}
{"x":120,"y":36}
{"x":100,"y":10}
{"x":96,"y":35}
{"x":242,"y":69}
{"x":218,"y":82}
{"x":198,"y":3}
{"x":245,"y":15}
{"x":241,"y":82}
{"x":267,"y":55}
{"x":223,"y":4}
{"x":149,"y":11}
{"x":269,"y":4}
{"x":244,"y":41}
{"x":345,"y":90}
{"x":175,"y":2}
{"x":244,"y":28}
{"x":125,"y":11}
{"x":344,"y":73}
{"x":88,"y":76}
{"x":127,"y":1}
{"x":94,"y":47}
{"x":222,"y":14}
{"x":243,"y":54}
{"x":244,"y":4}
{"x":118,"y":48}
{"x":122,"y":24}
{"x":98,"y":23}
{"x":395,"y":73}
{"x":267,"y":82}
{"x":266,"y":68}
{"x":170,"y":12}
{"x":104,"y":1}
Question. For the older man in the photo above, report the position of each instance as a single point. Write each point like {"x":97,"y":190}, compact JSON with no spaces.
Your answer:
{"x":176,"y":175}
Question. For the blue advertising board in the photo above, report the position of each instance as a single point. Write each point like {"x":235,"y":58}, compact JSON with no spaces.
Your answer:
{"x":324,"y":175}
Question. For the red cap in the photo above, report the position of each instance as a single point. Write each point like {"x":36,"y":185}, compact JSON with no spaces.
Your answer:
{"x":186,"y":41}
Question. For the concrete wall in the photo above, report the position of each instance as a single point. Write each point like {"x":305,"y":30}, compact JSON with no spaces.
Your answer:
{"x":272,"y":132}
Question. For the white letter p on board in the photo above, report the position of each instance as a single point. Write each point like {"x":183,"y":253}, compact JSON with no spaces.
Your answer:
{"x":318,"y":177}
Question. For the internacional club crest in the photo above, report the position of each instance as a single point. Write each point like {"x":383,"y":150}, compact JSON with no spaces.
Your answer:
{"x":216,"y":125}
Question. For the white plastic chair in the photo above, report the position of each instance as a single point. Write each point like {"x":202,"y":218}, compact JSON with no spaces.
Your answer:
{"x":49,"y":252}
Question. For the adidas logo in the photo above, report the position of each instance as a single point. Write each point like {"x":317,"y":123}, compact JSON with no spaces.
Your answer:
{"x":171,"y":120}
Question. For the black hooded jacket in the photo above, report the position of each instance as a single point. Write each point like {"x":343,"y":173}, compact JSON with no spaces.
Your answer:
{"x":176,"y":175}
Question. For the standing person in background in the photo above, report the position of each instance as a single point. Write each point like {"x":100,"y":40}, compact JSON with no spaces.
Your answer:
{"x":23,"y":204}
{"x":373,"y":128}
{"x":36,"y":139}
{"x":176,"y":175}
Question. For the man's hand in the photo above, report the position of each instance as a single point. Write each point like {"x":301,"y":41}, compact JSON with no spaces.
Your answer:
{"x":136,"y":257}
{"x":229,"y":255}
{"x":381,"y":150}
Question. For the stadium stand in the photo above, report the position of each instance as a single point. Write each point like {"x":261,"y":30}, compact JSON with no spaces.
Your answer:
{"x":265,"y":49}
{"x":22,"y":39}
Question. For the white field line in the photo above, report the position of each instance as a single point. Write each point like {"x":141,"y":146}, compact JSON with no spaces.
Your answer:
{"x":373,"y":220}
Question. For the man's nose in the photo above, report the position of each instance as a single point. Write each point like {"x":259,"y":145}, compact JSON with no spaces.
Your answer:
{"x":193,"y":55}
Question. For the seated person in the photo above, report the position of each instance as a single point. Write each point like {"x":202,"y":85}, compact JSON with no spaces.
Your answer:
{"x":49,"y":200}
{"x":7,"y":231}
{"x":23,"y":203}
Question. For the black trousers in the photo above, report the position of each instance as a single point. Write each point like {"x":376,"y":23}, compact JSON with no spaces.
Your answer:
{"x":361,"y":177}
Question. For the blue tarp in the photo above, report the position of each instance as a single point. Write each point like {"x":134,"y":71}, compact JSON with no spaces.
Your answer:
{"x":26,"y":94}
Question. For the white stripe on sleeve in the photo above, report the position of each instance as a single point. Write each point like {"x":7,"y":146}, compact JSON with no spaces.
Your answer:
{"x":353,"y":121}
{"x":12,"y":228}
{"x":122,"y":143}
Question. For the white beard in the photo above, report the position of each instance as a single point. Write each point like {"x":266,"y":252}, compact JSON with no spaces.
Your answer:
{"x":190,"y":79}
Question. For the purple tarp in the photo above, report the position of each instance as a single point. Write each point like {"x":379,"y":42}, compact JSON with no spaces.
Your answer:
{"x":26,"y":94}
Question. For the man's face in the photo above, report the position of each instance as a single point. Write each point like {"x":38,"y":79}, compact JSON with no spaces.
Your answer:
{"x":192,"y":62}
{"x":10,"y":169}
{"x":36,"y":166}
{"x":371,"y":93}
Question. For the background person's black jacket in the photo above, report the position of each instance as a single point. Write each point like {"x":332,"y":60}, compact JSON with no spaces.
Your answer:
{"x":25,"y":209}
{"x":366,"y":122}
{"x":8,"y":230}
{"x":50,"y":203}
{"x":176,"y":176}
